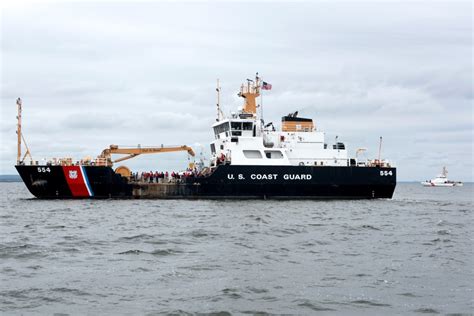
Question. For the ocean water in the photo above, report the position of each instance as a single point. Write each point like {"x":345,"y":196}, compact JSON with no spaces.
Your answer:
{"x":409,"y":255}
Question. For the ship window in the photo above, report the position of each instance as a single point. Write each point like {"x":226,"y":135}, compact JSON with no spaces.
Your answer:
{"x":222,"y":147}
{"x":247,"y":126}
{"x":273,"y":154}
{"x":252,"y":154}
{"x":222,"y":128}
{"x":213,"y":148}
{"x":237,"y":133}
{"x":236,"y":126}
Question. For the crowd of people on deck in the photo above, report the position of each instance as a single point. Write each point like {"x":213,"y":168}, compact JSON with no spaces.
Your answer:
{"x":160,"y":177}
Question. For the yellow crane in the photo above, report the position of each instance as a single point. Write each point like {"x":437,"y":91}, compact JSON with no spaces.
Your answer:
{"x":135,"y":151}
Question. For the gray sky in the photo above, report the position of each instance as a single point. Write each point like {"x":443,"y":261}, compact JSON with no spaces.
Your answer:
{"x":93,"y":74}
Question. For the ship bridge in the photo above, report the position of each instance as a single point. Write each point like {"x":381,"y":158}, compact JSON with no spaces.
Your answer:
{"x":234,"y":128}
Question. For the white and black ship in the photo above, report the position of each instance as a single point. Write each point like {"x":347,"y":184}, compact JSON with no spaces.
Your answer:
{"x":442,"y":181}
{"x":249,"y":159}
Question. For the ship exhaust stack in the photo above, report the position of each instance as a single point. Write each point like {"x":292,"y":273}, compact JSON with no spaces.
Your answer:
{"x":293,"y":123}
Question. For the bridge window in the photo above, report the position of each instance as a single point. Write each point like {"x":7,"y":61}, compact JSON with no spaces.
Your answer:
{"x":222,"y":128}
{"x":236,"y":126}
{"x":247,"y":126}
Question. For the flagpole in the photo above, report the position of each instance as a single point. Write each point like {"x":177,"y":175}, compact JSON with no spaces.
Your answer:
{"x":218,"y":89}
{"x":261,"y":103}
{"x":261,"y":96}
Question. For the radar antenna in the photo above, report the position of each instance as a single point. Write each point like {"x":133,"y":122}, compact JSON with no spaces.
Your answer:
{"x":444,"y":172}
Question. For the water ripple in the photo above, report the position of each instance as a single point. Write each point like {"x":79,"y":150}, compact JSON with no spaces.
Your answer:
{"x":409,"y":255}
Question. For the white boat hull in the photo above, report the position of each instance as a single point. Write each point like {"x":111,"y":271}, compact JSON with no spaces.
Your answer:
{"x":431,"y":184}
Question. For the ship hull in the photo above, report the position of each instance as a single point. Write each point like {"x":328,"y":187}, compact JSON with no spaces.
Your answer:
{"x":433,"y":184}
{"x":227,"y":181}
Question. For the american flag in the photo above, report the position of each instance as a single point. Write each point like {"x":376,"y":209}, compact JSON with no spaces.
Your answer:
{"x":266,"y":86}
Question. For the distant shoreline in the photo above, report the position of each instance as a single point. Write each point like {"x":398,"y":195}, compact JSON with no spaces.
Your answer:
{"x":10,"y":178}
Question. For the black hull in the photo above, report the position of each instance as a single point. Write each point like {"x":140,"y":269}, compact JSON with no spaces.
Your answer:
{"x":227,"y":181}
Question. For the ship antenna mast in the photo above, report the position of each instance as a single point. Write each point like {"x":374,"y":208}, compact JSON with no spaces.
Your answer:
{"x":20,"y":137}
{"x":380,"y":148}
{"x":18,"y":131}
{"x":220,"y":115}
{"x":257,"y":90}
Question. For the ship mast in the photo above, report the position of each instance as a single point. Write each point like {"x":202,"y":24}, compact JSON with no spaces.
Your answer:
{"x":380,"y":148}
{"x":220,"y":115}
{"x":18,"y":132}
{"x":444,"y":172}
{"x":20,"y":137}
{"x":250,"y":93}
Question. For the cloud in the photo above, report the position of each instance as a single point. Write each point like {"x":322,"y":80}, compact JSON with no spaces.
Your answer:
{"x":93,"y":74}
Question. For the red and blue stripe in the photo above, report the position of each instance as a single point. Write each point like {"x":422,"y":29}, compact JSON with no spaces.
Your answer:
{"x":78,"y":182}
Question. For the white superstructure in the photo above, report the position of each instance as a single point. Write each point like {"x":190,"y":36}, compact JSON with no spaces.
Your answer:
{"x":243,"y":139}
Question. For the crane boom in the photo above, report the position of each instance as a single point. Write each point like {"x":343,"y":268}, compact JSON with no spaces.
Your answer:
{"x":135,"y":151}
